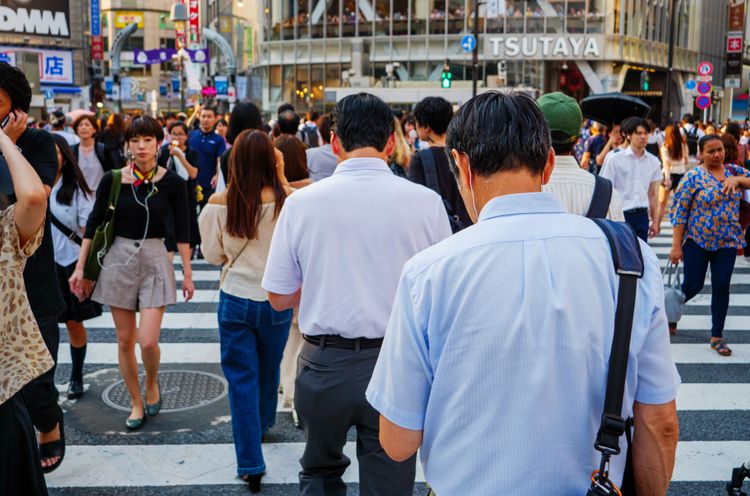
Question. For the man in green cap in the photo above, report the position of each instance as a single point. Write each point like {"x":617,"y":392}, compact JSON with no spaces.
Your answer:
{"x":572,"y":186}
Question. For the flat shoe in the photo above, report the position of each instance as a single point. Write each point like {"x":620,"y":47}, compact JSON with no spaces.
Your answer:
{"x":53,"y":449}
{"x":75,"y":390}
{"x":135,"y":424}
{"x":154,"y":408}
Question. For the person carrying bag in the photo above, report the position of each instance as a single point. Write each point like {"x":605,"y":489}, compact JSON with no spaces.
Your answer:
{"x":674,"y":297}
{"x":105,"y":233}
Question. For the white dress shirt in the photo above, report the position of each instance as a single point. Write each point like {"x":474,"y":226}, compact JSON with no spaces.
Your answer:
{"x":74,"y":217}
{"x":498,"y":348}
{"x":344,"y":240}
{"x":574,"y":188}
{"x":631,"y":176}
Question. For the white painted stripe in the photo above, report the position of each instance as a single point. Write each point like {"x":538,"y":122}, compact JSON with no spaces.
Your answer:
{"x":200,"y":275}
{"x":735,"y":300}
{"x":212,"y":464}
{"x":106,"y":353}
{"x":703,"y":354}
{"x":703,"y":322}
{"x":170,"y":321}
{"x":713,"y":397}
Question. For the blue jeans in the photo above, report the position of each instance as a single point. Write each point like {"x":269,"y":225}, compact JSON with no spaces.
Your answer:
{"x":253,"y":336}
{"x":639,"y":222}
{"x":722,"y":264}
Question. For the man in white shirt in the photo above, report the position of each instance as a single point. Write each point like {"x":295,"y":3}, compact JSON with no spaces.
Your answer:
{"x":572,"y":186}
{"x":337,"y":252}
{"x":321,"y":162}
{"x":636,"y":175}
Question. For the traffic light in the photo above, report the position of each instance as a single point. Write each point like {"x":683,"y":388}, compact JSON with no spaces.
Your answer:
{"x":644,"y":80}
{"x":445,"y":77}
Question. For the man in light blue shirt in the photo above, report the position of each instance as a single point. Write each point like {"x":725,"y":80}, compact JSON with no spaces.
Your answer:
{"x":321,"y":161}
{"x":496,"y":353}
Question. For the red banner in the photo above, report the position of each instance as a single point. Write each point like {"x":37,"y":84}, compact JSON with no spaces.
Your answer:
{"x":194,"y":23}
{"x":97,"y":48}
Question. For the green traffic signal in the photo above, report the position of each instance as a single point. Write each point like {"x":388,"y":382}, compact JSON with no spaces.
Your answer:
{"x":445,"y":79}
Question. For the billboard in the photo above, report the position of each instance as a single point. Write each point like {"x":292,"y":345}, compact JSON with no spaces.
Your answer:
{"x":36,"y":17}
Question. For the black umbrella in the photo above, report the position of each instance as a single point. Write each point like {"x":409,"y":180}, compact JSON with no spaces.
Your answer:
{"x":613,"y":108}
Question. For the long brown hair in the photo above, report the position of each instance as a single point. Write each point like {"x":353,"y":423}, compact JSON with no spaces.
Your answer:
{"x":673,"y":141}
{"x":252,"y":167}
{"x":731,"y":154}
{"x":295,"y":158}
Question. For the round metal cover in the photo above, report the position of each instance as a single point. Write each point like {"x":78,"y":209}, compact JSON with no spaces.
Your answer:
{"x":180,"y":390}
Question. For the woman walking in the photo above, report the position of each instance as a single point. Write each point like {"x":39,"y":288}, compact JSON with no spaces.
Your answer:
{"x":113,"y":139}
{"x":24,"y":355}
{"x":92,"y":157}
{"x":705,"y":215}
{"x":236,"y":230}
{"x":674,"y":158}
{"x":70,"y":204}
{"x":137,"y":274}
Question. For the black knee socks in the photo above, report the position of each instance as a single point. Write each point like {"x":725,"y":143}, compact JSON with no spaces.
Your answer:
{"x":77,"y":356}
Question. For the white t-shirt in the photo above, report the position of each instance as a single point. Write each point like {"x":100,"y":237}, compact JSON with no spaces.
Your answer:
{"x":91,"y":167}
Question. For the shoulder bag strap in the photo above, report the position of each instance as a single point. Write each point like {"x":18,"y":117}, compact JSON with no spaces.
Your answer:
{"x":628,"y":261}
{"x":430,"y":170}
{"x":67,"y":232}
{"x":114,"y":194}
{"x":599,"y":205}
{"x":238,"y":255}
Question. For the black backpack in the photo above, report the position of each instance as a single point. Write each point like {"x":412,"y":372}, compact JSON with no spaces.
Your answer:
{"x":431,"y":181}
{"x":310,"y":136}
{"x":691,"y":137}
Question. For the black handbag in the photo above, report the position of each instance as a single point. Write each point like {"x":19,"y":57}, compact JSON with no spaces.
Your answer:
{"x":628,"y":261}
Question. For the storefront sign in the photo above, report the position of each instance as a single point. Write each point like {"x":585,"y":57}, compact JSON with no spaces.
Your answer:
{"x":179,"y":31}
{"x":37,"y":17}
{"x":97,"y":48}
{"x":735,"y":31}
{"x":159,"y":55}
{"x":544,"y":47}
{"x":194,"y":23}
{"x":124,"y":18}
{"x":8,"y":57}
{"x":736,"y":15}
{"x":56,"y":66}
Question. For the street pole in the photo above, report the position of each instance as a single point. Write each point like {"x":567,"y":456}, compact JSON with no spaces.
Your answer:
{"x":475,"y":52}
{"x":667,"y":114}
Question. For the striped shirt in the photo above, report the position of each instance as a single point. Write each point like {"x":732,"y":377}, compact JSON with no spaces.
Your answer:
{"x":574,"y":188}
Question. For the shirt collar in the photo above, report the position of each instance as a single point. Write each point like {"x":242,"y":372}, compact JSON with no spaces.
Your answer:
{"x":520,"y":204}
{"x":629,"y":151}
{"x":362,"y":164}
{"x":566,"y":162}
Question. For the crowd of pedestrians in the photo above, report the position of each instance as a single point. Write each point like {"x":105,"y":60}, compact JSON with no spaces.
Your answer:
{"x":385,"y":272}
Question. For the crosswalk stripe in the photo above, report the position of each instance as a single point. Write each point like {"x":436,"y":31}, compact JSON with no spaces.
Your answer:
{"x":106,"y":353}
{"x":213,"y":464}
{"x":713,"y":397}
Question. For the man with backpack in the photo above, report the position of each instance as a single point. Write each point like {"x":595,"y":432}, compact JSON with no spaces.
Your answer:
{"x":692,"y":134}
{"x":429,"y":166}
{"x":309,"y":133}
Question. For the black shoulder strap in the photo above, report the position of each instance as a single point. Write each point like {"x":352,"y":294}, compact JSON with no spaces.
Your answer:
{"x":599,"y":205}
{"x":67,"y":232}
{"x":430,"y":170}
{"x":628,"y":262}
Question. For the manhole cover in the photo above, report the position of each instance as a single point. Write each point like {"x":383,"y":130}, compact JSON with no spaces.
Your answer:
{"x":180,"y":390}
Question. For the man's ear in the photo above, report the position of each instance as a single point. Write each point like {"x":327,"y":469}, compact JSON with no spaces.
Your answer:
{"x":390,"y":145}
{"x":462,"y":162}
{"x":548,"y":167}
{"x":336,"y":147}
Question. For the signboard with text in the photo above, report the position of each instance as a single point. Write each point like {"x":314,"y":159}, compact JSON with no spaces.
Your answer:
{"x":36,"y":17}
{"x":124,"y":18}
{"x":56,"y":66}
{"x":97,"y":47}
{"x":545,"y":47}
{"x":735,"y":32}
{"x":194,"y":23}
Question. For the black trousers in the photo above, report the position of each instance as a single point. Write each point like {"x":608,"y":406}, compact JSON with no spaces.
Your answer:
{"x":20,"y":465}
{"x":330,"y":398}
{"x":41,"y":394}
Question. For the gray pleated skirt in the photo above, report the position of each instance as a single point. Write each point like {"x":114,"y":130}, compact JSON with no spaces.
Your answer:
{"x":136,"y":275}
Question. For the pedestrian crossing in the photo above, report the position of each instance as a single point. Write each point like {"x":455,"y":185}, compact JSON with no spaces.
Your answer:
{"x":713,"y":406}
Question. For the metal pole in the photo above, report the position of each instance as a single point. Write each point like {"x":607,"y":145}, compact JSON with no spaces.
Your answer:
{"x":182,"y":82}
{"x":475,"y":52}
{"x":667,"y":113}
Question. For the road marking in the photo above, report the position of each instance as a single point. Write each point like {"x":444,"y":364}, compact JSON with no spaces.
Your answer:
{"x":212,"y":464}
{"x":714,"y":397}
{"x":106,"y":353}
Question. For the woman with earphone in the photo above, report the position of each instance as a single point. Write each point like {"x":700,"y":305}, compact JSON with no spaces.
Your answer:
{"x":137,"y":274}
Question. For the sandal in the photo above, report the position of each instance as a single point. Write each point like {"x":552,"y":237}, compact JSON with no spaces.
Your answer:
{"x":721,"y":347}
{"x":253,"y":481}
{"x":54,"y":449}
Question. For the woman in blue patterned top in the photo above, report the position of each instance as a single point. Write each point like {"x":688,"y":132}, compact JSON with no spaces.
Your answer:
{"x":705,"y":215}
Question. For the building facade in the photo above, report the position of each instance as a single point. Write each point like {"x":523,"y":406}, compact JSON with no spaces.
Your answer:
{"x":45,"y":39}
{"x":315,"y":51}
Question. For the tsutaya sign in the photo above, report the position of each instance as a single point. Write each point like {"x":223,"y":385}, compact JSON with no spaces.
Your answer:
{"x":544,"y":47}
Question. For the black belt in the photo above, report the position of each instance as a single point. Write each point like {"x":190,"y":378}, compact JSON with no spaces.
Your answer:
{"x":636,"y":210}
{"x":336,"y":341}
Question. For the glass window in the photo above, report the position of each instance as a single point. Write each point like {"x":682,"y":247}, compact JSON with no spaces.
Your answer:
{"x":274,"y":80}
{"x":287,"y":23}
{"x":437,"y":17}
{"x":400,"y":17}
{"x":534,"y":18}
{"x":288,"y":86}
{"x":303,"y":86}
{"x":514,"y":16}
{"x":302,"y":19}
{"x":595,"y":16}
{"x":333,"y":19}
{"x":348,"y":16}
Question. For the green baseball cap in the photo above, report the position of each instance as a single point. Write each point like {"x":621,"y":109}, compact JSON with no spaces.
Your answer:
{"x":563,"y":115}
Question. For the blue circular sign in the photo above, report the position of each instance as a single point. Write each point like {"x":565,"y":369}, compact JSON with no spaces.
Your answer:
{"x":703,"y":102}
{"x":704,"y":88}
{"x":690,"y":84}
{"x":468,"y":43}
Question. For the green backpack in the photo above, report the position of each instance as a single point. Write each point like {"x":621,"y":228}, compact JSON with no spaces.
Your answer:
{"x":105,"y":232}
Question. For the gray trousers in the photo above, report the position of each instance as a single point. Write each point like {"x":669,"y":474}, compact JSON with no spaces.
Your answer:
{"x":329,"y":399}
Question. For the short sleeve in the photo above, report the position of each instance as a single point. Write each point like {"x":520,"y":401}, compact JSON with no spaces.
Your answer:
{"x":402,"y":380}
{"x":11,"y":243}
{"x":607,"y":171}
{"x":283,"y":273}
{"x":740,"y":171}
{"x":85,"y":204}
{"x":682,"y":201}
{"x":656,"y":174}
{"x":658,"y":379}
